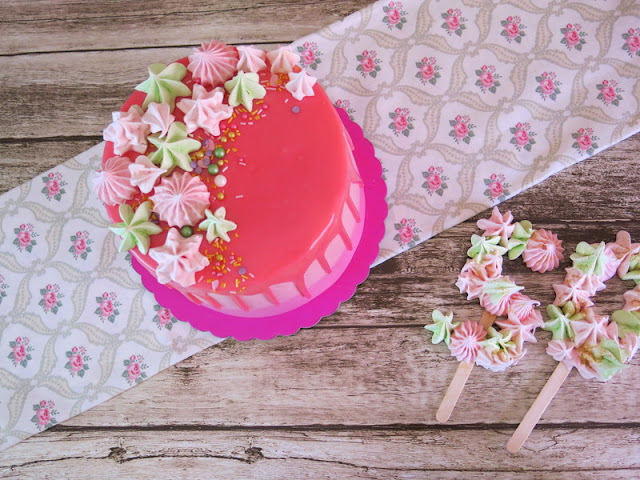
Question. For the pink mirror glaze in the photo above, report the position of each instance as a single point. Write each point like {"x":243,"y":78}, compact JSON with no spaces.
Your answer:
{"x":326,"y":303}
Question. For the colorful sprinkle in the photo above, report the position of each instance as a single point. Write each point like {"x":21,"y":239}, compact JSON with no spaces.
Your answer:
{"x":220,"y":180}
{"x":213,"y":169}
{"x":219,"y":151}
{"x":186,"y":231}
{"x":295,"y":109}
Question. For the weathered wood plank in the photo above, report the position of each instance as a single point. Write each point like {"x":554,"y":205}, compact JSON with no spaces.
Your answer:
{"x":353,"y":376}
{"x":313,"y":454}
{"x":50,"y":25}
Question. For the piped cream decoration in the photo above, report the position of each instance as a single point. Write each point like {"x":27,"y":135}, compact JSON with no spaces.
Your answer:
{"x":181,"y":199}
{"x":244,"y":88}
{"x":213,"y":63}
{"x":543,"y":251}
{"x":179,"y":259}
{"x":127,"y":131}
{"x":164,"y":84}
{"x":145,"y":174}
{"x":135,"y":228}
{"x":113,"y":183}
{"x":300,"y":85}
{"x":283,"y":60}
{"x":205,"y":110}
{"x":158,"y":117}
{"x":251,"y":59}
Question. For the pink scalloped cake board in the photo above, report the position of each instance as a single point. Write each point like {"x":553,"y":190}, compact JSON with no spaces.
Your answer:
{"x":355,"y":271}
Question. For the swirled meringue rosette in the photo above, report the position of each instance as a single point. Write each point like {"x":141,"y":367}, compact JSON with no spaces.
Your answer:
{"x":481,"y":278}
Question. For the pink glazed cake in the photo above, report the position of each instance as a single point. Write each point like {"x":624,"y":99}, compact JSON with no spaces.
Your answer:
{"x":231,"y":178}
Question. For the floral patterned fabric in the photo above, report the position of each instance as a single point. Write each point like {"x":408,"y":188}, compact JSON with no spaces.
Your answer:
{"x":76,"y":326}
{"x":466,"y":102}
{"x":469,"y":102}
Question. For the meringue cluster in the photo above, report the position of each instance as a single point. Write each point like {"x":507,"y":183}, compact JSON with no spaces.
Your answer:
{"x":481,"y":278}
{"x":223,"y":77}
{"x":598,"y":347}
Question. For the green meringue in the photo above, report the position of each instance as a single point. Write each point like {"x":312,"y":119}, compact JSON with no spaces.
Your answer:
{"x":174,"y":149}
{"x":589,"y":259}
{"x":244,"y":88}
{"x":164,"y":84}
{"x":217,"y":225}
{"x":135,"y":228}
{"x":441,"y":327}
{"x":498,"y":340}
{"x":628,"y":322}
{"x":518,"y":241}
{"x":559,"y":324}
{"x":481,"y":246}
{"x":608,"y":358}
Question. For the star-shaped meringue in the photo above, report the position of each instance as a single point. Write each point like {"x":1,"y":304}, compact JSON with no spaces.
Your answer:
{"x":127,"y":131}
{"x":283,"y":59}
{"x":145,"y":174}
{"x":300,"y":85}
{"x":179,"y":259}
{"x":135,"y":228}
{"x":498,"y":225}
{"x":173,"y":151}
{"x":441,"y":327}
{"x":205,"y":110}
{"x":251,"y":59}
{"x":158,"y":117}
{"x":244,"y":88}
{"x":623,"y":249}
{"x":164,"y":84}
{"x":217,"y":225}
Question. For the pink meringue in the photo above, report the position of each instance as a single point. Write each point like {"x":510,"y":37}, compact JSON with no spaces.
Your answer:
{"x":522,"y":306}
{"x":283,"y":60}
{"x":181,"y":199}
{"x":563,"y":351}
{"x":144,"y":174}
{"x":499,"y":360}
{"x":213,"y":63}
{"x":623,"y":250}
{"x":300,"y":85}
{"x":465,"y":341}
{"x":251,"y":59}
{"x":590,"y":283}
{"x":113,"y":183}
{"x":590,"y":330}
{"x":179,"y":259}
{"x":543,"y":251}
{"x":158,"y":117}
{"x":498,"y":225}
{"x":632,"y":299}
{"x":205,"y":110}
{"x":497,"y":295}
{"x":474,"y":275}
{"x":127,"y":131}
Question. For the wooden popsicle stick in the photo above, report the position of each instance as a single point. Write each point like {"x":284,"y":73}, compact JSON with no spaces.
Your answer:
{"x":540,"y":404}
{"x":459,"y":379}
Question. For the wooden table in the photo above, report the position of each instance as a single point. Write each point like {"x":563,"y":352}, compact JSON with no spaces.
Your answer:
{"x":354,"y":397}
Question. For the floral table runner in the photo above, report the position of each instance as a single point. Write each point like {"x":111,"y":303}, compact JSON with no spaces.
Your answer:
{"x":466,"y":102}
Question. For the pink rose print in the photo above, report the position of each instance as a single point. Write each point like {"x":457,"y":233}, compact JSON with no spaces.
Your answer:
{"x":309,"y":55}
{"x":346,"y":106}
{"x":428,"y":71}
{"x":20,"y":352}
{"x":401,"y":122}
{"x":453,"y":22}
{"x":134,"y":369}
{"x":163,"y":318}
{"x":77,"y":361}
{"x":25,"y":235}
{"x":522,"y":136}
{"x":487,"y":79}
{"x":53,"y":186}
{"x":573,"y":37}
{"x":369,"y":63}
{"x":548,"y":85}
{"x":44,"y":414}
{"x":107,"y":307}
{"x":435,"y":181}
{"x":513,"y":29}
{"x":80,"y":245}
{"x":609,"y":92}
{"x":462,"y":129}
{"x":632,"y":41}
{"x":395,"y":16}
{"x":3,"y":288}
{"x":584,"y":141}
{"x":497,"y":188}
{"x":50,"y":301}
{"x":407,"y":235}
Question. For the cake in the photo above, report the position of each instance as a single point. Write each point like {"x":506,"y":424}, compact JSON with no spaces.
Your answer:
{"x":230,"y":177}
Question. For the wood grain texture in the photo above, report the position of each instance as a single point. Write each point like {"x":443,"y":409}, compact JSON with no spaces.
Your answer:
{"x":354,"y":397}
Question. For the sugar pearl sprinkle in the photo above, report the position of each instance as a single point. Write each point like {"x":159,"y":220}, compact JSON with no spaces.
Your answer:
{"x":220,"y":180}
